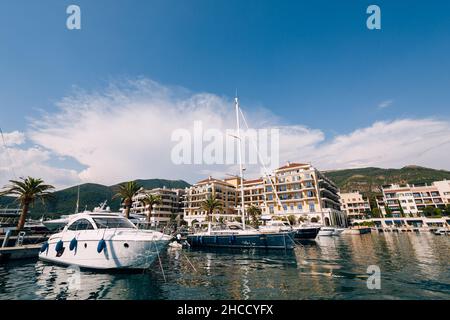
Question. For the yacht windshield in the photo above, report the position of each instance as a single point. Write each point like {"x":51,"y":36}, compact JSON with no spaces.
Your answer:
{"x":112,"y":223}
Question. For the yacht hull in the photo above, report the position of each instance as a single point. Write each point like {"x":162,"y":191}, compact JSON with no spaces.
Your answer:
{"x":281,"y":240}
{"x":306,"y":233}
{"x":118,"y":254}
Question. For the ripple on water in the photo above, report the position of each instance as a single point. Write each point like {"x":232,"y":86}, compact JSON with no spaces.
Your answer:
{"x":412,"y":267}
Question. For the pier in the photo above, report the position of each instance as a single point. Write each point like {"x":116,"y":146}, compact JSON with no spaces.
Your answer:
{"x":22,"y":252}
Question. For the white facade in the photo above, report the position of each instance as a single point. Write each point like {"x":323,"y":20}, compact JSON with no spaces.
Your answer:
{"x":170,"y":209}
{"x":412,"y":199}
{"x":354,"y":204}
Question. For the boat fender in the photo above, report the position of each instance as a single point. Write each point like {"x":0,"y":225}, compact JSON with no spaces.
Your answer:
{"x":73,"y":244}
{"x":215,"y":239}
{"x":59,"y":246}
{"x":200,"y":240}
{"x":101,"y":246}
{"x":44,"y":247}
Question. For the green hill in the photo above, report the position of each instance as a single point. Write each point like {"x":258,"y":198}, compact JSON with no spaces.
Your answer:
{"x":91,"y":195}
{"x":369,"y":180}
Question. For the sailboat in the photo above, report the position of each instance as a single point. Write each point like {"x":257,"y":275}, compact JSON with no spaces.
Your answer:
{"x":238,"y":235}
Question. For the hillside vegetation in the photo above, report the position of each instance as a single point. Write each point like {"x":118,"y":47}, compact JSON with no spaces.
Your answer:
{"x":369,"y":180}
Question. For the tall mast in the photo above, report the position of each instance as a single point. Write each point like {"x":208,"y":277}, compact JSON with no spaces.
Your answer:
{"x":241,"y":169}
{"x":78,"y":200}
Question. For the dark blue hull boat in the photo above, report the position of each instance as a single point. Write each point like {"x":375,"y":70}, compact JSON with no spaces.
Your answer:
{"x":306,"y":233}
{"x":281,"y":240}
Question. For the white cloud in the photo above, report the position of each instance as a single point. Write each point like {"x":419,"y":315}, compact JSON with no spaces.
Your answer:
{"x":389,"y":144}
{"x":13,"y":138}
{"x":33,"y":161}
{"x":385,"y":104}
{"x":125,"y":133}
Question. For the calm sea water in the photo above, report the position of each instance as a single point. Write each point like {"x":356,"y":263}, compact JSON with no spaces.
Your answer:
{"x":413,"y":266}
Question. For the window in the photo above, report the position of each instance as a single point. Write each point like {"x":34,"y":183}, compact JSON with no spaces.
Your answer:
{"x":81,"y":224}
{"x":271,"y":209}
{"x":299,"y":207}
{"x":312,"y":207}
{"x":112,"y":223}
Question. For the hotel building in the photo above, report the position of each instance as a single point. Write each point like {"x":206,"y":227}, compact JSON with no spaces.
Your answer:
{"x":224,"y":191}
{"x":303,"y":191}
{"x":354,"y":204}
{"x":412,"y":199}
{"x":170,"y":209}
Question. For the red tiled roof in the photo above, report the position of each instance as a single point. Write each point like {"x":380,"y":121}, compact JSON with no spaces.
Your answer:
{"x":293,"y":165}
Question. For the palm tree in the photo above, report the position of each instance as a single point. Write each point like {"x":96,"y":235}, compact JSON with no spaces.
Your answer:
{"x":151,"y":200}
{"x":27,"y":192}
{"x":126,"y":192}
{"x":209,"y":205}
{"x":254,"y":212}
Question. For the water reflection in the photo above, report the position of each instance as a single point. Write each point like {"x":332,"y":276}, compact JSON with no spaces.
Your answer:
{"x":413,"y":266}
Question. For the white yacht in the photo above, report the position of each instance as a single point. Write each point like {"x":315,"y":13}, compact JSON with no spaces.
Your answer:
{"x":102,"y":240}
{"x":326,"y":231}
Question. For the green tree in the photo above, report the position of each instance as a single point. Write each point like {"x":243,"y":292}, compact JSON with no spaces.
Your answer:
{"x":447,"y":210}
{"x":126,"y":192}
{"x":210,"y":205}
{"x":254,"y":212}
{"x":151,"y":200}
{"x":402,"y":212}
{"x":431,"y":211}
{"x":27,"y":191}
{"x":376,"y":213}
{"x":388,"y":211}
{"x":291,"y":219}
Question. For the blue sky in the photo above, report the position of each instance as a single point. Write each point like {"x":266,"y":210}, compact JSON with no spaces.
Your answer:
{"x":310,"y":63}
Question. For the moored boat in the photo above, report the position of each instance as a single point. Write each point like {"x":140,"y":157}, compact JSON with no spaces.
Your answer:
{"x":232,"y":235}
{"x":99,"y":240}
{"x":306,"y":232}
{"x":326,"y":231}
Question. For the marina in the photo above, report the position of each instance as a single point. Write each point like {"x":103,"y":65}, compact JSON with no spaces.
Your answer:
{"x":413,"y":266}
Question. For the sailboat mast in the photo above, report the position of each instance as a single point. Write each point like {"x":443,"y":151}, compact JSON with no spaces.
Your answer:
{"x":241,"y":169}
{"x":78,"y":201}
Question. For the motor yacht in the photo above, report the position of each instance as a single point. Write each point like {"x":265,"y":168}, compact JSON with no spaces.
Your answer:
{"x":102,"y":240}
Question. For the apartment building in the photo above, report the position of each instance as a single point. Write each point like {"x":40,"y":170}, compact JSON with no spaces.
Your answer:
{"x":171,"y":207}
{"x":412,"y":199}
{"x":303,"y":191}
{"x":224,"y":191}
{"x":354,"y":204}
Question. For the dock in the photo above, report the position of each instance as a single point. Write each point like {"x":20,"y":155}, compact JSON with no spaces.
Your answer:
{"x":20,"y":252}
